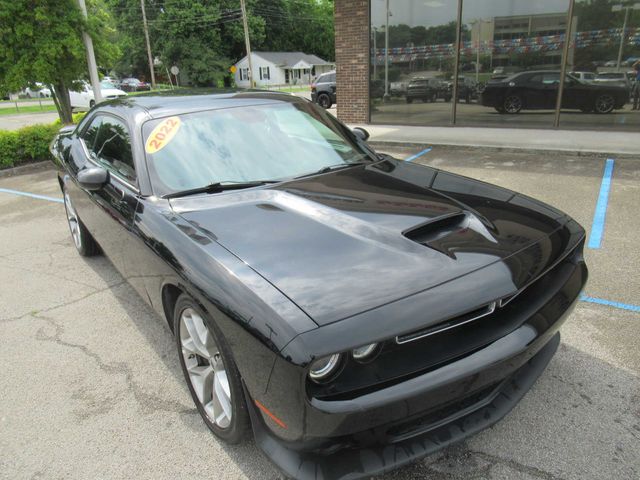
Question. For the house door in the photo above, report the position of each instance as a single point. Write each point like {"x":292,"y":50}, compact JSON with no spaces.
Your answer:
{"x":286,"y":76}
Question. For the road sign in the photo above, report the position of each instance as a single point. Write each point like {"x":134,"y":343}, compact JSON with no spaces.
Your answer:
{"x":233,"y":69}
{"x":175,"y":70}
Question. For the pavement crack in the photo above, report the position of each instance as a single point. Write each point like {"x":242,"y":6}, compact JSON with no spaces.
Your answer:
{"x":96,"y":405}
{"x":515,"y":465}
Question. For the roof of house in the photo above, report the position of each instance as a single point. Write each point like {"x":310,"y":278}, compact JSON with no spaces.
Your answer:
{"x":289,"y":59}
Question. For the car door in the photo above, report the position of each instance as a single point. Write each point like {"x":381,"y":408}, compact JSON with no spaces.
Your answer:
{"x":575,"y":94}
{"x":544,"y":90}
{"x":108,"y":212}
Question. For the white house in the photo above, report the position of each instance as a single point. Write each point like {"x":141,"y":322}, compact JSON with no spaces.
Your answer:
{"x":280,"y":68}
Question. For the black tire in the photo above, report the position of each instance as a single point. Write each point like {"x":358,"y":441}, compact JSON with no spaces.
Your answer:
{"x":82,"y":239}
{"x":324,"y":100}
{"x":605,"y":103}
{"x":409,"y":100}
{"x":240,"y":425}
{"x":512,"y":104}
{"x":92,"y":103}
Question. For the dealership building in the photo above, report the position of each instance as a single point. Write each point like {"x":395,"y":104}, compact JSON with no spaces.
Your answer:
{"x":397,"y":61}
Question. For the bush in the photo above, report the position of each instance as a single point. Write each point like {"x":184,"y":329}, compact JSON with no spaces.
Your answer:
{"x":29,"y":144}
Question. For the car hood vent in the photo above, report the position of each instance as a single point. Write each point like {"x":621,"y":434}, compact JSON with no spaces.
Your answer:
{"x":436,"y":229}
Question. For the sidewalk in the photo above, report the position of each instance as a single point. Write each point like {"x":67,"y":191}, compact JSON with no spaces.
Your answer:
{"x":580,"y":142}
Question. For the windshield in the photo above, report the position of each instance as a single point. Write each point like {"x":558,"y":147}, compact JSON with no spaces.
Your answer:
{"x":245,"y":144}
{"x":105,"y":84}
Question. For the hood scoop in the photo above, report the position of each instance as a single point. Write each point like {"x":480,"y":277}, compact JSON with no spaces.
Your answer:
{"x":454,"y":233}
{"x":434,"y":230}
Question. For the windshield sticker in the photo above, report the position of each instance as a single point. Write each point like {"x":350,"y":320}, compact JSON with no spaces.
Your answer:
{"x":162,"y":134}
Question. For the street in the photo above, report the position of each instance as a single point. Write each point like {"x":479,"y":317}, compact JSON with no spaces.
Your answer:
{"x":92,"y":388}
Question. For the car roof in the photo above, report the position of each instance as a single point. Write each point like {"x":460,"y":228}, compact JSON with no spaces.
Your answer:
{"x":140,"y":108}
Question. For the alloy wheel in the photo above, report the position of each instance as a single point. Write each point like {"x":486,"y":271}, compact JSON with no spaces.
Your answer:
{"x":604,"y":104}
{"x":206,"y":369}
{"x":72,"y":219}
{"x":512,"y":104}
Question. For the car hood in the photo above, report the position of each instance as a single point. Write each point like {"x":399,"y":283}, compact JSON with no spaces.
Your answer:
{"x":341,"y":243}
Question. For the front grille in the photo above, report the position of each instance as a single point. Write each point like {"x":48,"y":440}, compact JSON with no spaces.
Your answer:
{"x":449,"y":324}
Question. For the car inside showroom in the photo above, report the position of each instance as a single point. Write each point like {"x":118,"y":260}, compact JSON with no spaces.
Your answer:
{"x":514,"y":66}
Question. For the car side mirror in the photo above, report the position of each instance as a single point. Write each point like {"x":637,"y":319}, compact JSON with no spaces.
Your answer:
{"x":361,"y":133}
{"x":93,"y":178}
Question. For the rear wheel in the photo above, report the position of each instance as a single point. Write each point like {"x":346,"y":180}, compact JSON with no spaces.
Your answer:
{"x":210,"y":372}
{"x":512,"y":104}
{"x":82,"y":239}
{"x":604,"y":103}
{"x":324,"y":100}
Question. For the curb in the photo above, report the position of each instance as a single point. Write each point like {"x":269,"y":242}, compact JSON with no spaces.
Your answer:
{"x":27,"y":168}
{"x":381,"y":144}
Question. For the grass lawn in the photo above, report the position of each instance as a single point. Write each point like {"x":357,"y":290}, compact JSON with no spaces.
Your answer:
{"x":30,"y":109}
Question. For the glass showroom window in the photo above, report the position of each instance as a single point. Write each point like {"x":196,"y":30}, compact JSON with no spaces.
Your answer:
{"x":604,"y":66}
{"x":411,"y":82}
{"x":510,"y":62}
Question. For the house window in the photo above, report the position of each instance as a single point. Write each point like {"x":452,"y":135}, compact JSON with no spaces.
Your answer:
{"x":264,"y":73}
{"x":244,"y":74}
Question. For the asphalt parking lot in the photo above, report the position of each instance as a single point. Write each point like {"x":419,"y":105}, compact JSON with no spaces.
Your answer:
{"x":91,"y":386}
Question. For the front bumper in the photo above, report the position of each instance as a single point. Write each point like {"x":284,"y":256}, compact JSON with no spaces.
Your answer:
{"x":387,"y":428}
{"x":417,"y":437}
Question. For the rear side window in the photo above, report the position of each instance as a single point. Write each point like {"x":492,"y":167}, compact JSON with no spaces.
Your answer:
{"x":109,"y":143}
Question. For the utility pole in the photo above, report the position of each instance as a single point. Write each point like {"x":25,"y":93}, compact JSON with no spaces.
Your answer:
{"x":146,"y":37}
{"x":247,"y":42}
{"x":91,"y":57}
{"x":385,"y":98}
{"x":627,"y":7}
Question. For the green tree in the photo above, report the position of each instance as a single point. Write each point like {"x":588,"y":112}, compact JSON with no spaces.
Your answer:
{"x":42,"y":42}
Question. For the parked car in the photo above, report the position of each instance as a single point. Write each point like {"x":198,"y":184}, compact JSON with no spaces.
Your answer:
{"x":398,"y":89}
{"x":467,"y":89}
{"x":323,"y":90}
{"x":260,"y":253}
{"x":584,"y":76}
{"x":115,"y":81}
{"x":39,"y":90}
{"x":420,"y":89}
{"x":615,"y":78}
{"x":539,"y":90}
{"x":85,"y":99}
{"x":133,"y":85}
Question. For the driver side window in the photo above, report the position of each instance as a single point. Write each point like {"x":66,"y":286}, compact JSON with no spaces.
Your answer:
{"x":108,"y":142}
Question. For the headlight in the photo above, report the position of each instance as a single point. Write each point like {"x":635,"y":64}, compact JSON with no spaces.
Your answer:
{"x":324,"y":367}
{"x":362,"y":353}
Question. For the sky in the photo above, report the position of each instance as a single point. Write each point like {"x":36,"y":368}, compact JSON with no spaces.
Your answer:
{"x":437,"y":12}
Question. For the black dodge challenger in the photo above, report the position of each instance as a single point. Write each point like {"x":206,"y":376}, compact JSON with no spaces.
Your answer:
{"x":536,"y":90}
{"x":355,"y":311}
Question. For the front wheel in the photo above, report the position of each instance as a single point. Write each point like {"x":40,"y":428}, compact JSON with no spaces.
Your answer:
{"x":604,"y":103}
{"x":210,"y":372}
{"x":324,"y":100}
{"x":82,"y":239}
{"x":512,"y":104}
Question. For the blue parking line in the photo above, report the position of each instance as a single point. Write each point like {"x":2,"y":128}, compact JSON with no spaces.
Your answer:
{"x":419,"y":154}
{"x":609,"y":303}
{"x":32,"y":195}
{"x":597,"y":228}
